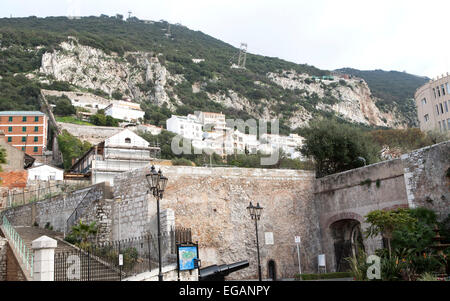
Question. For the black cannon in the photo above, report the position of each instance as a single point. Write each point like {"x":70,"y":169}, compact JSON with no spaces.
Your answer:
{"x":218,"y":273}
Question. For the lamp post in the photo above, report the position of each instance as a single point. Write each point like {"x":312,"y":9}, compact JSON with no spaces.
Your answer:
{"x":157,"y":183}
{"x":255,"y":214}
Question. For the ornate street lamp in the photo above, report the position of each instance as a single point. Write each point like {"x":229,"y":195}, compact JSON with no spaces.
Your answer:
{"x":157,"y":183}
{"x":255,"y":214}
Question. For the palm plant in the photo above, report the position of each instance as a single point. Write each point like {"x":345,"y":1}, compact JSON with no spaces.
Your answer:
{"x":83,"y":232}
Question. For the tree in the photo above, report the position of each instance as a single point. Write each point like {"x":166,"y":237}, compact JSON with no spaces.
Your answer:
{"x":64,"y":108}
{"x":385,"y":222}
{"x":71,"y":148}
{"x":336,"y":147}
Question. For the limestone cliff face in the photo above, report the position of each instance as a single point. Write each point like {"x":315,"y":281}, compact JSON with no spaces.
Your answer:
{"x":136,"y":75}
{"x":353,"y":99}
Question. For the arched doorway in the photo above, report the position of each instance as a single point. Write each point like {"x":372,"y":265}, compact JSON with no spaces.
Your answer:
{"x":271,"y":270}
{"x":347,"y":241}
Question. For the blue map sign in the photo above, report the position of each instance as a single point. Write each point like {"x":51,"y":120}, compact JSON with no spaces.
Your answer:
{"x":186,"y":257}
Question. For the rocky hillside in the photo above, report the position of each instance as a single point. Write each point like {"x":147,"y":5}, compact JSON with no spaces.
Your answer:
{"x":177,"y":73}
{"x":392,"y":89}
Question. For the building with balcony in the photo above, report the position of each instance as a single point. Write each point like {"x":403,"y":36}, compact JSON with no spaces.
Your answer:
{"x":188,"y":126}
{"x":25,"y":130}
{"x":122,"y":152}
{"x":433,"y":105}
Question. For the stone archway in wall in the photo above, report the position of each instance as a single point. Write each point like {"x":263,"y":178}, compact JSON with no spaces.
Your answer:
{"x":347,"y":241}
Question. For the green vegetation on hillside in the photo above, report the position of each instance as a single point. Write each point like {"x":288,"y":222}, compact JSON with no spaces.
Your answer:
{"x":71,"y":148}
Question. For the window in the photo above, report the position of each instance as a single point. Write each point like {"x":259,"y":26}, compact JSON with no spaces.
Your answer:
{"x":127,"y":140}
{"x":24,"y":118}
{"x":36,"y":118}
{"x":36,"y":139}
{"x":446,"y":106}
{"x":24,"y":139}
{"x":440,"y":126}
{"x":439,"y":91}
{"x":444,"y":126}
{"x":443,"y":90}
{"x":24,"y":129}
{"x":424,"y":101}
{"x":434,"y":91}
{"x":448,"y":123}
{"x":10,"y":119}
{"x":36,"y":128}
{"x":9,"y":139}
{"x":442,"y":108}
{"x":35,"y":149}
{"x":437,"y":109}
{"x":448,"y":88}
{"x":9,"y":128}
{"x":426,"y":117}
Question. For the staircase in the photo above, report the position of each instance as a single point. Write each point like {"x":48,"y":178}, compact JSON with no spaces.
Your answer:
{"x":92,"y":268}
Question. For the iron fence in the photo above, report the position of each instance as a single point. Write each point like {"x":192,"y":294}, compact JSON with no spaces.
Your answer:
{"x":114,"y":261}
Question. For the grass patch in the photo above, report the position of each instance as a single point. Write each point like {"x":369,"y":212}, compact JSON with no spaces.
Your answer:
{"x":71,"y":119}
{"x":336,"y":275}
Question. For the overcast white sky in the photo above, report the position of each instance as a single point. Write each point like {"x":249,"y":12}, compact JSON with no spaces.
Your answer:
{"x":402,"y":35}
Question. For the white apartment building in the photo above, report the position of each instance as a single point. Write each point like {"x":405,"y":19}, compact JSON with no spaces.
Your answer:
{"x":187,"y":126}
{"x":230,"y":141}
{"x":125,"y":110}
{"x":433,"y":105}
{"x":209,"y":130}
{"x":289,"y":144}
{"x":216,"y":120}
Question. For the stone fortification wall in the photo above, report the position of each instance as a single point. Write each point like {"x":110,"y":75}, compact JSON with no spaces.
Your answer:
{"x":212,"y":202}
{"x":351,"y":195}
{"x":427,"y":178}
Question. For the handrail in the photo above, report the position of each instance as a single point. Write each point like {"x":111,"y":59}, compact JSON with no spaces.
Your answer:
{"x":78,"y":210}
{"x":26,"y":255}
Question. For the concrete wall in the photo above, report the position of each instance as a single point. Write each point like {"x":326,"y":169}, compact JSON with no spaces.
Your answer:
{"x":426,"y":178}
{"x":212,"y":202}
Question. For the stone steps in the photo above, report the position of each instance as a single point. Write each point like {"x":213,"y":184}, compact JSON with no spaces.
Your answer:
{"x":98,"y":269}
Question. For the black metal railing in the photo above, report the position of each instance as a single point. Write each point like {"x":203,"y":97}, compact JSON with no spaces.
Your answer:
{"x":116,"y":260}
